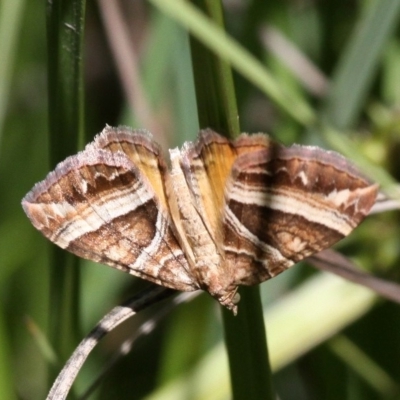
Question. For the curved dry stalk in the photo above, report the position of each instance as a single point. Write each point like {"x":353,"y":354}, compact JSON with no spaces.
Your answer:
{"x":385,"y":203}
{"x":115,"y":317}
{"x":145,"y":329}
{"x":332,"y":261}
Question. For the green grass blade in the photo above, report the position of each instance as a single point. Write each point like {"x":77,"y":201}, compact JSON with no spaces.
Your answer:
{"x":6,"y":378}
{"x":217,"y":41}
{"x":65,"y":23}
{"x":245,"y":333}
{"x":359,"y":63}
{"x":215,"y":90}
{"x":10,"y":25}
{"x":365,"y":367}
{"x":246,"y":343}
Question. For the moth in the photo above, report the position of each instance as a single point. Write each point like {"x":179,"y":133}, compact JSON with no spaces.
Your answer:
{"x":225,"y":214}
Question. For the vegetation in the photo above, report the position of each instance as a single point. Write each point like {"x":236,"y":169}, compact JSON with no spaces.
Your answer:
{"x":322,"y":73}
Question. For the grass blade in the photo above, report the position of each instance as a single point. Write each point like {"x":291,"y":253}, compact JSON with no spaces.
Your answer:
{"x":245,"y":333}
{"x":217,"y":41}
{"x":359,"y":63}
{"x":65,"y":22}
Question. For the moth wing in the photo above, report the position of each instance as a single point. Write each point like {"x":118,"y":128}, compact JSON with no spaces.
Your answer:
{"x":285,"y":204}
{"x":141,"y":149}
{"x":206,"y":164}
{"x":100,"y":206}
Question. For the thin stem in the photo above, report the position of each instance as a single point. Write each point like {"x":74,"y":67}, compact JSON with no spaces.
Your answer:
{"x":114,"y":318}
{"x":65,"y":23}
{"x":244,"y":334}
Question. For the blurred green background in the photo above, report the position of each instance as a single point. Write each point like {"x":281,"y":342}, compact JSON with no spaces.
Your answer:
{"x":328,"y":339}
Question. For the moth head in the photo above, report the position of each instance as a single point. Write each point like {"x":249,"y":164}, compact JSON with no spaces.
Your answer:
{"x":229,"y":299}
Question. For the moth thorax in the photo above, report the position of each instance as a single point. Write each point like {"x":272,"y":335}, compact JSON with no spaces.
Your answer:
{"x":189,"y":223}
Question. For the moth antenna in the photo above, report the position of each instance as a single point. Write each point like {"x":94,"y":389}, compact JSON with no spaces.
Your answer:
{"x":109,"y":322}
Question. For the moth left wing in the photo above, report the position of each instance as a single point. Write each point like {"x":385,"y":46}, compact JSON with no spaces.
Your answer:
{"x":285,"y":204}
{"x":100,"y":206}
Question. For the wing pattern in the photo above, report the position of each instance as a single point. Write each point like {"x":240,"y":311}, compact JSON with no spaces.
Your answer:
{"x":226,"y":214}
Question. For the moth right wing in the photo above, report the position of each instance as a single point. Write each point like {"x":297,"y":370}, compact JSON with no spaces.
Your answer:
{"x":285,"y":204}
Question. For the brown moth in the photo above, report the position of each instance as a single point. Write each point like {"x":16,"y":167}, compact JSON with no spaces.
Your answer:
{"x":226,"y":214}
